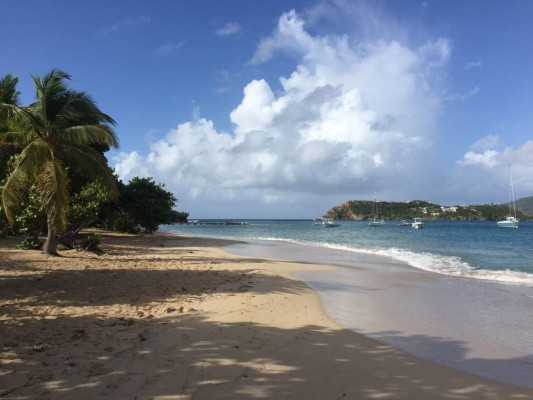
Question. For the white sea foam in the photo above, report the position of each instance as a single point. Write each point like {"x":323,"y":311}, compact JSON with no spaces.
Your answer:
{"x":441,"y":264}
{"x":451,"y":265}
{"x":446,"y":265}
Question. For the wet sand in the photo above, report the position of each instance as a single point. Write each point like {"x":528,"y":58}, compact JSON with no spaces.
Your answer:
{"x":472,"y":325}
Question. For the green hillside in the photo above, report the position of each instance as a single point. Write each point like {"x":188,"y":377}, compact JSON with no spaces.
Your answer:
{"x":362,"y":210}
{"x":525,"y":206}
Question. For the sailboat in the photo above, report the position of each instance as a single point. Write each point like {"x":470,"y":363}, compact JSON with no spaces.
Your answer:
{"x":510,"y":221}
{"x":317,"y":221}
{"x":376,"y":221}
{"x":330,"y":223}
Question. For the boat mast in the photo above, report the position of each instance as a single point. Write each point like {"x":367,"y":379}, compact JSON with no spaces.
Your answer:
{"x":511,"y":193}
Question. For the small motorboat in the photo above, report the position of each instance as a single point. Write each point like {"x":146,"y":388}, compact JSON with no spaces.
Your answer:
{"x":417,"y":224}
{"x":330,"y":223}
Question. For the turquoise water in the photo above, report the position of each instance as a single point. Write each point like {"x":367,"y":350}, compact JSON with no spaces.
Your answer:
{"x":476,"y":249}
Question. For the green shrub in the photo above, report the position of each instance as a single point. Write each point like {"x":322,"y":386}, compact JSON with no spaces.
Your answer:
{"x":5,"y":228}
{"x":91,"y":240}
{"x":148,"y":202}
{"x":90,"y":243}
{"x":121,"y":221}
{"x":31,"y":242}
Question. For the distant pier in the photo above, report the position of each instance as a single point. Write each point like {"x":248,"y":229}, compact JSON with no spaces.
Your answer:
{"x":211,"y":222}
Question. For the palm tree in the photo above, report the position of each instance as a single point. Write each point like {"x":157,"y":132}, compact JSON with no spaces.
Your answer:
{"x":9,"y":95}
{"x":58,"y":129}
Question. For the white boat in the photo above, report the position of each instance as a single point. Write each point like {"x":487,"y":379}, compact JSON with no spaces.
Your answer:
{"x":417,"y":224}
{"x":510,"y":221}
{"x":376,"y":221}
{"x":330,"y":223}
{"x":404,"y":222}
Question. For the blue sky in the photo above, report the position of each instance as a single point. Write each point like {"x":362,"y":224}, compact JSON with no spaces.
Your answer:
{"x":283,"y":109}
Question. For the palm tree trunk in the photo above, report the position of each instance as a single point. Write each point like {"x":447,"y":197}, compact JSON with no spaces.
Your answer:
{"x":50,"y":246}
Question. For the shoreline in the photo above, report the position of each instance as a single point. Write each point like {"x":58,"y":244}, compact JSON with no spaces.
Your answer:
{"x":463,"y":263}
{"x":470,"y":325}
{"x":168,"y":316}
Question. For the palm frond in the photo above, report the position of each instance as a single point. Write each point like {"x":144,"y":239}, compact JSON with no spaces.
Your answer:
{"x":80,"y":109}
{"x":19,"y":128}
{"x":33,"y":157}
{"x":50,"y":93}
{"x":8,"y":90}
{"x":52,"y":185}
{"x":19,"y":139}
{"x":92,"y":165}
{"x":14,"y":193}
{"x":51,"y":83}
{"x":90,"y":134}
{"x":22,"y":119}
{"x":9,"y":95}
{"x":16,"y":111}
{"x":27,"y":168}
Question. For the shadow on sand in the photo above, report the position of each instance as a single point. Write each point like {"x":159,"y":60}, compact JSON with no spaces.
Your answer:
{"x":187,"y":355}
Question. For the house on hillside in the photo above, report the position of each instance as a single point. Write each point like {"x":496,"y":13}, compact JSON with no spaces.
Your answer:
{"x":448,"y":209}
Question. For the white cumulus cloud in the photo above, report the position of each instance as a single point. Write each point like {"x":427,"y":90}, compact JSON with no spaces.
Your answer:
{"x":487,"y":142}
{"x":487,"y":158}
{"x":352,"y":118}
{"x":483,"y":172}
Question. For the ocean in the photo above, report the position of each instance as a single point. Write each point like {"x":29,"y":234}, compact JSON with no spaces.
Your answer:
{"x":458,"y":293}
{"x":476,"y":249}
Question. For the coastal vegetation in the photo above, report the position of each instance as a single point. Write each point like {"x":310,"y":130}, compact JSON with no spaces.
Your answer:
{"x":54,"y":177}
{"x":363,"y":210}
{"x":145,"y":203}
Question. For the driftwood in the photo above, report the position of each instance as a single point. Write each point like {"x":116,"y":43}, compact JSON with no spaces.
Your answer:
{"x":70,"y":237}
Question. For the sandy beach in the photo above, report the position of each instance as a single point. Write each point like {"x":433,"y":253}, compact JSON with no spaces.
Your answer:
{"x":167,"y":317}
